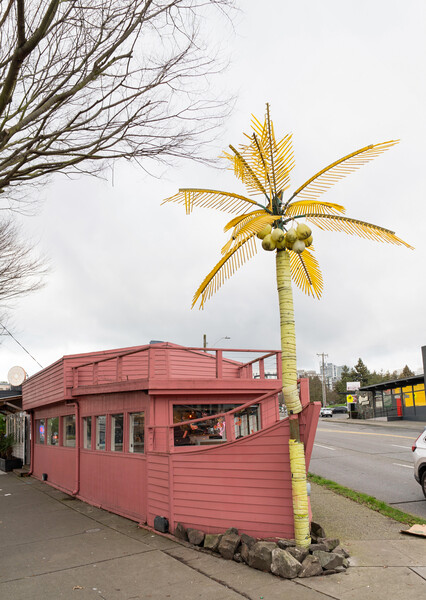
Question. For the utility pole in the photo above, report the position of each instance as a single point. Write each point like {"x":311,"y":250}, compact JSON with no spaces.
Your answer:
{"x":204,"y":340}
{"x":323,"y":377}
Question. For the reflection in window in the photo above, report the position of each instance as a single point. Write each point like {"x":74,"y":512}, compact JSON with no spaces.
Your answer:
{"x":137,"y":432}
{"x":87,"y":433}
{"x":53,"y":431}
{"x":40,"y":431}
{"x":212,"y":431}
{"x":69,"y":431}
{"x":117,"y":433}
{"x":247,"y":421}
{"x":100,"y":432}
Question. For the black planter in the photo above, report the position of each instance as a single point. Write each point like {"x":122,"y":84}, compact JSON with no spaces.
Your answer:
{"x":8,"y":464}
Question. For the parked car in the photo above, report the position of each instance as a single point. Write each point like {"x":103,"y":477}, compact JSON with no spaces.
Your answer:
{"x":419,"y":455}
{"x":340,"y":409}
{"x":326,"y":412}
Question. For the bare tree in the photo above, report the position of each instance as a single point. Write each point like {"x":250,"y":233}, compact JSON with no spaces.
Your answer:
{"x":84,"y":82}
{"x":20,"y":270}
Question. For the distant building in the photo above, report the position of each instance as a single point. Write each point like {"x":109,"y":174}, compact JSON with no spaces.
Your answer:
{"x":303,"y":373}
{"x":332,"y":374}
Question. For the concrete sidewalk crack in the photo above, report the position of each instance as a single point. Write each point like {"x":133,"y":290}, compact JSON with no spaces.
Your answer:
{"x":215,"y":579}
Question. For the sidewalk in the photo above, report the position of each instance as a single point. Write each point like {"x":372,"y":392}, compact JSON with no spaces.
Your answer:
{"x":55,"y":547}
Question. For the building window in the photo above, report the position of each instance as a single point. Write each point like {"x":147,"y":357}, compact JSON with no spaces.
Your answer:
{"x":40,"y":431}
{"x":137,"y":432}
{"x":87,"y":433}
{"x":53,"y":431}
{"x":247,"y":421}
{"x":117,"y":422}
{"x":69,"y":431}
{"x":100,"y":432}
{"x":212,"y":431}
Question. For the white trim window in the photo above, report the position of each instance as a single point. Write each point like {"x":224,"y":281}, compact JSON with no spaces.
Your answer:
{"x":100,"y":432}
{"x":137,"y":432}
{"x":87,"y":433}
{"x":69,"y":431}
{"x":117,"y":430}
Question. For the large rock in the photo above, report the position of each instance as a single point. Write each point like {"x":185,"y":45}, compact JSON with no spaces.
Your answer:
{"x":195,"y":536}
{"x":311,"y":567}
{"x":314,"y":547}
{"x":299,"y":553}
{"x":245,"y":552}
{"x":284,"y":564}
{"x":211,"y":541}
{"x":329,"y":560}
{"x":229,"y":543}
{"x":260,"y":555}
{"x":180,"y":532}
{"x":248,"y":539}
{"x":342,"y":551}
{"x":284,"y":544}
{"x":329,"y":543}
{"x":317,"y":531}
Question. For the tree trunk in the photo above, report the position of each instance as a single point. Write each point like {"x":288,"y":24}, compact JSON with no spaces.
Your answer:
{"x":292,"y":400}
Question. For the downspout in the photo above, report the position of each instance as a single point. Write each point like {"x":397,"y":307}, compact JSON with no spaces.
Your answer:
{"x":77,"y":448}
{"x":32,"y":421}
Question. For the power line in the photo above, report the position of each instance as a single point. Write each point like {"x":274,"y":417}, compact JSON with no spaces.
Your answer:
{"x":25,"y":350}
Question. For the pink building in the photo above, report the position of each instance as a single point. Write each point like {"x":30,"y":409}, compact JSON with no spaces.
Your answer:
{"x":166,"y":430}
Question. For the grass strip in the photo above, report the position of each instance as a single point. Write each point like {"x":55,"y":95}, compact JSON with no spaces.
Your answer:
{"x":369,"y":501}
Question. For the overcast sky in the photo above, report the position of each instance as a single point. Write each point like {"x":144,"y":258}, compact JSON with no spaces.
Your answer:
{"x":338,"y":75}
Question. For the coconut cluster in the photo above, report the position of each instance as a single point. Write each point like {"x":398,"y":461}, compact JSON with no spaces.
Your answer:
{"x":294,"y":239}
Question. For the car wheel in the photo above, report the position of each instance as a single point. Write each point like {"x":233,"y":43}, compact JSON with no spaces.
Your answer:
{"x":423,"y":483}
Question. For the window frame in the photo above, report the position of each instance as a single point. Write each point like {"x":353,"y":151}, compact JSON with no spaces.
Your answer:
{"x":65,"y":439}
{"x":48,"y":432}
{"x":130,"y":419}
{"x":112,"y":431}
{"x":97,"y":433}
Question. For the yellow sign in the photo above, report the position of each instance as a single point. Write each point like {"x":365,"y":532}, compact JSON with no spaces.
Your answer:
{"x":350,"y":398}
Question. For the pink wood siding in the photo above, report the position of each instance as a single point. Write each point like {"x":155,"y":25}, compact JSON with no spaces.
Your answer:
{"x":59,"y":465}
{"x":244,"y":484}
{"x":116,"y":482}
{"x":45,"y":387}
{"x":158,"y":488}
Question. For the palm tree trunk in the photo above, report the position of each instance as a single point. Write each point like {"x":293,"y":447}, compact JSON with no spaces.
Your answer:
{"x":292,"y":400}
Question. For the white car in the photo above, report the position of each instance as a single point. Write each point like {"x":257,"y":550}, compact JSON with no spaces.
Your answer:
{"x":419,"y":455}
{"x":326,"y":412}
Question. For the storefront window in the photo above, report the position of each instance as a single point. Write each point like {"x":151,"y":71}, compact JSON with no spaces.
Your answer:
{"x":419,"y":395}
{"x":247,"y":421}
{"x":212,"y":431}
{"x":100,"y":432}
{"x":69,"y":431}
{"x":53,"y":431}
{"x":117,"y":433}
{"x":408,"y":395}
{"x":40,"y":431}
{"x":87,"y":433}
{"x":137,"y":432}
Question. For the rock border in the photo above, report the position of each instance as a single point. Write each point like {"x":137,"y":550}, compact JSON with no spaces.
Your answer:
{"x":282,"y":557}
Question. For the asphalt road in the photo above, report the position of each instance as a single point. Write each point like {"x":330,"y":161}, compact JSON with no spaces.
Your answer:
{"x":371,"y":459}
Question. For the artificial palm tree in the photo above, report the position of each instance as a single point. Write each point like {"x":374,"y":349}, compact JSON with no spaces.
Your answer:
{"x":264,"y":166}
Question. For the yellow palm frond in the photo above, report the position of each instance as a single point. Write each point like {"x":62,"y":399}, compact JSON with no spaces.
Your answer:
{"x":233,"y":222}
{"x":355,"y":227}
{"x":224,"y":269}
{"x":327,"y":177}
{"x":284,"y":163}
{"x":226,"y":201}
{"x":305,"y":272}
{"x":249,"y":226}
{"x":243,"y":170}
{"x":306,"y":207}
